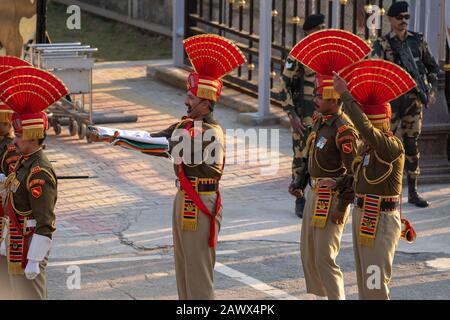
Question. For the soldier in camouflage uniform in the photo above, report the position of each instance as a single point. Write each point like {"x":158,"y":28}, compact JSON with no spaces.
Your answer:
{"x":296,"y":94}
{"x":407,"y":110}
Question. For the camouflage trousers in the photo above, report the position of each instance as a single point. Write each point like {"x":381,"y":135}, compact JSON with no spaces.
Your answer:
{"x":407,"y":121}
{"x":298,"y":143}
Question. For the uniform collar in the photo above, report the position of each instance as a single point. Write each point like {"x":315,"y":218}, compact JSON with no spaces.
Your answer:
{"x":330,"y":119}
{"x":394,"y":35}
{"x":29,"y":158}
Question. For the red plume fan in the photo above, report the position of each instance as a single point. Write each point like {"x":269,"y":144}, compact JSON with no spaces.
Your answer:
{"x":29,"y":90}
{"x":212,"y":55}
{"x":377,"y":82}
{"x":330,"y":50}
{"x":8,"y":62}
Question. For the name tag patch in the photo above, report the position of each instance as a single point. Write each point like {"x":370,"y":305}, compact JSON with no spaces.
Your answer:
{"x":321,"y":143}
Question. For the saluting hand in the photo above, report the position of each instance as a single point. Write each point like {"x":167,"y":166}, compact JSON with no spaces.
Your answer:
{"x":339,"y":84}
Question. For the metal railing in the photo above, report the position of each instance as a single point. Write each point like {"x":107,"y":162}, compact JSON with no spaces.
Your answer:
{"x":238,"y":20}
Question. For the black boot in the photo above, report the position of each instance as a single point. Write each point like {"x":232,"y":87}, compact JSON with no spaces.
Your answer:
{"x":413,"y":196}
{"x":299,"y":206}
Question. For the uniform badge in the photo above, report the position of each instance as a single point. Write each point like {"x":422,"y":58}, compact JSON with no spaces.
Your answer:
{"x":366,"y":160}
{"x":347,"y":147}
{"x":321,"y":143}
{"x":288,"y":64}
{"x":36,"y":192}
{"x":36,"y":182}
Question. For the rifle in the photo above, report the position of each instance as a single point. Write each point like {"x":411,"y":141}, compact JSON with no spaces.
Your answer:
{"x":409,"y":63}
{"x":297,"y":90}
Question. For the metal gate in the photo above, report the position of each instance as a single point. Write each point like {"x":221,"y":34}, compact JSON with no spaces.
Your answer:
{"x":239,"y":20}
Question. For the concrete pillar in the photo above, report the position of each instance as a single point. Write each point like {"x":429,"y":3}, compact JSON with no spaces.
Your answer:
{"x":263,"y":116}
{"x":336,"y":14}
{"x":432,"y":28}
{"x":436,"y":119}
{"x":265,"y":54}
{"x":178,"y":26}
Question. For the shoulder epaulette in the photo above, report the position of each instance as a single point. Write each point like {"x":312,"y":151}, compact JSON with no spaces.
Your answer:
{"x":343,"y":128}
{"x":36,"y":169}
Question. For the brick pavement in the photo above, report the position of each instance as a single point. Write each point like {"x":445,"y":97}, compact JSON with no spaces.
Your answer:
{"x":129,"y":182}
{"x":126,"y":209}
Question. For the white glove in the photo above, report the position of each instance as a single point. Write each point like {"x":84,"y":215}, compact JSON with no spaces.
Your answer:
{"x":39,"y":248}
{"x":5,"y":237}
{"x":32,"y":269}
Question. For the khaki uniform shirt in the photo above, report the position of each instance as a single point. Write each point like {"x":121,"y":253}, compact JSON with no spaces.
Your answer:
{"x":379,"y":169}
{"x":333,"y":146}
{"x":210,"y":152}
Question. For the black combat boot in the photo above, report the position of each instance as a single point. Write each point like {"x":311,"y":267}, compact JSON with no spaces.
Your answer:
{"x":299,"y":206}
{"x":413,"y":196}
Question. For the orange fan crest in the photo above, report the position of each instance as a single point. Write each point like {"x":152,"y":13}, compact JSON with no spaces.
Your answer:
{"x":30,"y":90}
{"x":212,"y":55}
{"x":376,"y":82}
{"x":330,"y":50}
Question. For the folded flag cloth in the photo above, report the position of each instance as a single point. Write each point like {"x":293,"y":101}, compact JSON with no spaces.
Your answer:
{"x":141,"y":141}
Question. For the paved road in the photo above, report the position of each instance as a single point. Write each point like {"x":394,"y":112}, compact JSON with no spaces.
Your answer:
{"x":116,"y":228}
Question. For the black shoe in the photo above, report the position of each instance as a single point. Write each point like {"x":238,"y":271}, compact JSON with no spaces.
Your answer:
{"x":299,"y":206}
{"x":417,"y":200}
{"x":413,"y":196}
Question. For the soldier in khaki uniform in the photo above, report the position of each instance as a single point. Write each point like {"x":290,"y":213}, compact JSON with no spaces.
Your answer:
{"x":31,"y":188}
{"x":8,"y":157}
{"x":407,"y":110}
{"x":378,"y":172}
{"x":197,"y":209}
{"x":332,"y":148}
{"x":296,"y":96}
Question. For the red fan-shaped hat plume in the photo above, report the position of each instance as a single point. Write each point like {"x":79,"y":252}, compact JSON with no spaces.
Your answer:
{"x":328,"y":51}
{"x":6,"y":63}
{"x":374,"y":83}
{"x":212,"y":57}
{"x":29,"y":91}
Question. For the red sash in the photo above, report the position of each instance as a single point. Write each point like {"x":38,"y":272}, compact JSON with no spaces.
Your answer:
{"x":195,"y":197}
{"x":16,"y":224}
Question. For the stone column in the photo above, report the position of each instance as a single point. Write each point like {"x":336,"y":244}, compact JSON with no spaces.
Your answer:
{"x":263,"y":116}
{"x":178,"y":32}
{"x":436,"y":120}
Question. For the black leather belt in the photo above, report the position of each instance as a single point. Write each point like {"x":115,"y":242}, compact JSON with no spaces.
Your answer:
{"x":204,"y":185}
{"x":387,"y":203}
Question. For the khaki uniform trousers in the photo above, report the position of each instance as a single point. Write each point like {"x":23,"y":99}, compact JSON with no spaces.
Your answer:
{"x":194,"y":259}
{"x":319,"y":249}
{"x":5,"y":287}
{"x":374,"y":265}
{"x":24,"y":289}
